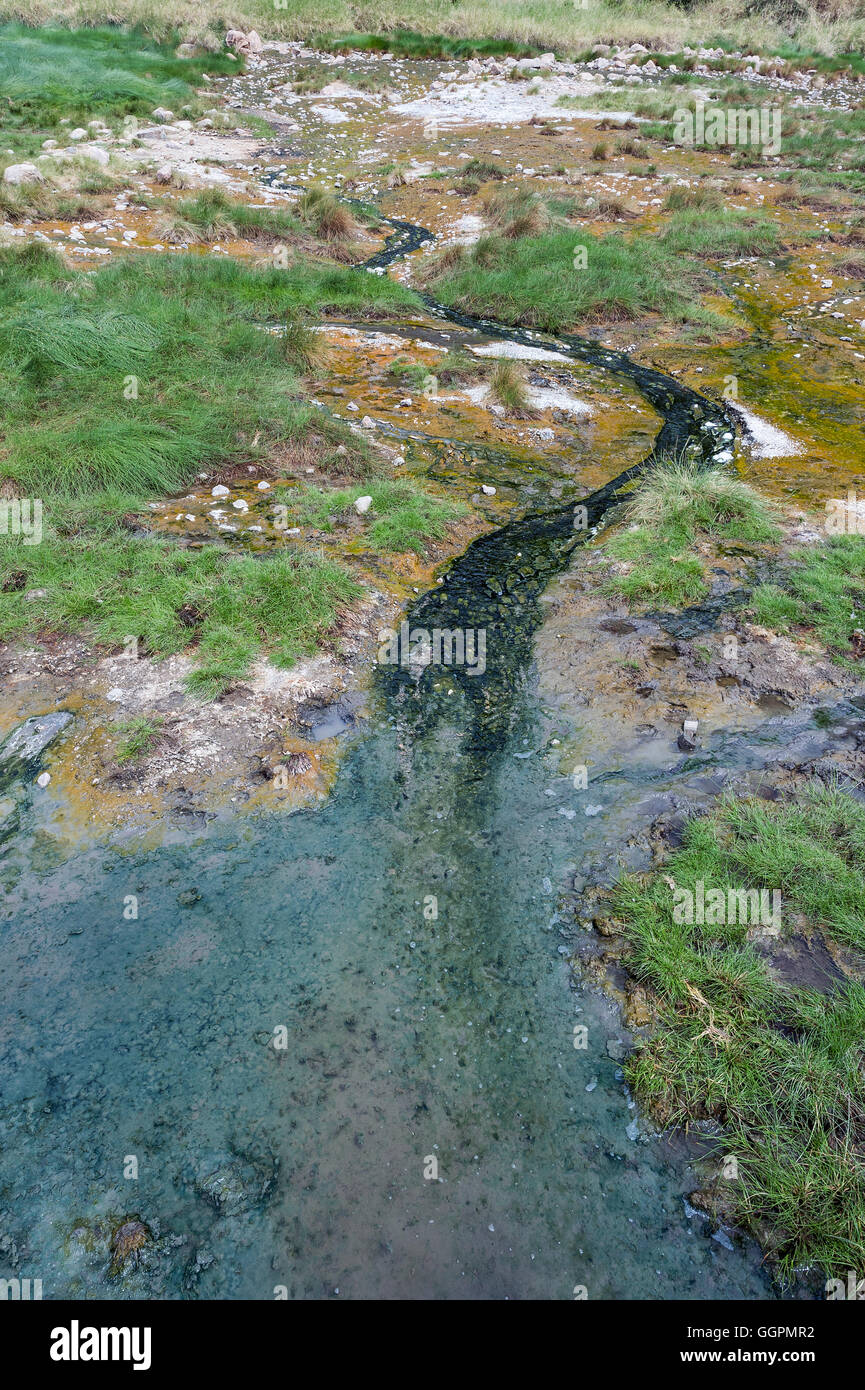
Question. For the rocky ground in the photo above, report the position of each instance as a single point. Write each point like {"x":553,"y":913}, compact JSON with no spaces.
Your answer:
{"x":382,"y":130}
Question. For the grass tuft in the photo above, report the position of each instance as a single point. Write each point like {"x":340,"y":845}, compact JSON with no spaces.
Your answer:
{"x":678,"y":505}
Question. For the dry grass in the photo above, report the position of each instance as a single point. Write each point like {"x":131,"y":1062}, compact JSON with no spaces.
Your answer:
{"x":824,"y":26}
{"x":517,"y":212}
{"x":508,"y":386}
{"x":326,"y":216}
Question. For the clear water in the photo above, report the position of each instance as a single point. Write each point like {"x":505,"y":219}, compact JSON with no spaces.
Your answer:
{"x":406,"y":1037}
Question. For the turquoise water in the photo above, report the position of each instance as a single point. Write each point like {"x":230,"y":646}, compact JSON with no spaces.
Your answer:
{"x":303,"y":1169}
{"x":140,"y":1072}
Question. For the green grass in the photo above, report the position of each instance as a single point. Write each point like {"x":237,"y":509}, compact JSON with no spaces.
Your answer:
{"x":116,"y":585}
{"x":533,"y":280}
{"x":821,"y":593}
{"x":676,"y":506}
{"x":189,"y":330}
{"x":712,"y":231}
{"x":508,"y":386}
{"x":214,"y":214}
{"x":325,"y":215}
{"x":410,"y":374}
{"x":409,"y":43}
{"x":137,"y":737}
{"x":402,"y":517}
{"x":46,"y":74}
{"x":482,"y":170}
{"x":213,"y":390}
{"x":780,"y":1068}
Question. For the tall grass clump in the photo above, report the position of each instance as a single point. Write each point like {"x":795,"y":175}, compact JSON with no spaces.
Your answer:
{"x":678,"y":505}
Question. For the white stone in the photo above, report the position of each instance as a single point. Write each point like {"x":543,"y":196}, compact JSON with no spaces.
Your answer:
{"x":220,"y":491}
{"x":362,"y":504}
{"x":21,"y":173}
{"x":164,"y":174}
{"x":43,"y":779}
{"x":79,"y":133}
{"x":488,"y":489}
{"x":97,"y":154}
{"x":368,"y":422}
{"x":161,"y":114}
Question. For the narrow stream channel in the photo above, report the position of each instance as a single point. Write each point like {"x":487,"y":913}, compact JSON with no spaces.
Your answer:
{"x":403,"y":942}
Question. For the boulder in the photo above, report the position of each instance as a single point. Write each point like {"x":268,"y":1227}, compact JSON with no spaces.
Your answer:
{"x":21,"y":173}
{"x":97,"y":154}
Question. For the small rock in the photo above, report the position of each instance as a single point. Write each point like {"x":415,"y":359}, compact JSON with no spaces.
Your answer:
{"x":79,"y":133}
{"x":97,"y":154}
{"x":220,"y":491}
{"x":43,"y":779}
{"x":488,"y":490}
{"x":368,"y":423}
{"x":362,"y":504}
{"x":164,"y":173}
{"x":161,"y":114}
{"x":687,"y":740}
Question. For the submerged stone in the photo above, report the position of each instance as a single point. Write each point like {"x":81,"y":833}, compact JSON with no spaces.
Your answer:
{"x":26,"y":744}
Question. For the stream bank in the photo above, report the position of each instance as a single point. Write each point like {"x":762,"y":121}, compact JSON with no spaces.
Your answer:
{"x":340,"y":1045}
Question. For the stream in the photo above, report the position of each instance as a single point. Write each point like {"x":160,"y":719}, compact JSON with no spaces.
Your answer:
{"x":334,"y":1055}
